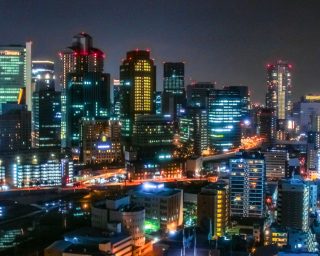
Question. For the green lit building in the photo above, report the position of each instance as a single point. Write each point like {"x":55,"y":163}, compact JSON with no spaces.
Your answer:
{"x":15,"y":72}
{"x":193,"y":128}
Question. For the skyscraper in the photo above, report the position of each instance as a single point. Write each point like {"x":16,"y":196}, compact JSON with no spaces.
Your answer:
{"x":266,"y":124}
{"x":193,"y":128}
{"x":173,"y":77}
{"x":293,"y":204}
{"x":247,"y":185}
{"x":227,"y":108}
{"x":138,"y":89}
{"x":46,"y":106}
{"x":174,"y":93}
{"x":116,"y":98}
{"x":278,"y":96}
{"x":15,"y":127}
{"x":198,"y":94}
{"x":15,"y":72}
{"x":86,"y":89}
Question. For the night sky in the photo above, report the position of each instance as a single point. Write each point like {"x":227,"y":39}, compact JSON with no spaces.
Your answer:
{"x":229,"y":42}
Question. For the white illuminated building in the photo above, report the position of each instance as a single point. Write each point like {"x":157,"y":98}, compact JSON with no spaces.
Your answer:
{"x":247,"y":185}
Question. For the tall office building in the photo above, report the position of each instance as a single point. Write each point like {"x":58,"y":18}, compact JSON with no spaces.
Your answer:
{"x":247,"y":185}
{"x":276,"y":163}
{"x":137,"y":89}
{"x":266,"y":124}
{"x":193,"y":128}
{"x":213,"y":209}
{"x":173,"y":77}
{"x":15,"y":72}
{"x":309,"y":113}
{"x":15,"y":127}
{"x":158,"y":103}
{"x":116,"y":98}
{"x":293,"y":204}
{"x":278,"y":96}
{"x":226,"y":111}
{"x":100,"y":141}
{"x":46,"y":106}
{"x":174,"y":93}
{"x":86,"y":89}
{"x":198,"y":94}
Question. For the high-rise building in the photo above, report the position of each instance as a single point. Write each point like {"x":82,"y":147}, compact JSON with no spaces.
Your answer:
{"x":46,"y":106}
{"x":151,"y":150}
{"x":174,"y":93}
{"x":15,"y":72}
{"x":227,"y":108}
{"x":293,"y":204}
{"x":173,"y":77}
{"x":266,"y":124}
{"x":86,"y":89}
{"x":276,"y":163}
{"x":193,"y":128}
{"x":212,"y":209}
{"x":116,"y":98}
{"x":100,"y":140}
{"x":137,"y":90}
{"x":247,"y":185}
{"x":159,"y":103}
{"x":198,"y":94}
{"x":279,"y":92}
{"x":309,"y":113}
{"x":15,"y":127}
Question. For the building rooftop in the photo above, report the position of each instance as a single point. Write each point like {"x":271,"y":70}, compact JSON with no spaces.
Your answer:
{"x":93,"y":236}
{"x":249,"y":155}
{"x":59,"y":245}
{"x":132,"y":208}
{"x":84,"y":250}
{"x":155,"y":188}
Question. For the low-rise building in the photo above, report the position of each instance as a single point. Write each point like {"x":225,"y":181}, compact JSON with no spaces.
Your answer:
{"x":164,"y":206}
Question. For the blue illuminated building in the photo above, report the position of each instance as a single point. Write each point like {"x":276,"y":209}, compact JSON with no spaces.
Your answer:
{"x":227,"y":108}
{"x":158,"y":103}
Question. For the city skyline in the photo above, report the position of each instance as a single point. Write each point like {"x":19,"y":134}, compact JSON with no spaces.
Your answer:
{"x":230,"y":43}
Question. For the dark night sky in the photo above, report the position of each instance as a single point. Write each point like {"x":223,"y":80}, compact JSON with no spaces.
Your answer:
{"x":225,"y":41}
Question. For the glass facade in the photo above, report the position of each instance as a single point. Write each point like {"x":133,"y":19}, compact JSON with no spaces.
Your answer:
{"x":46,"y":106}
{"x":86,"y":89}
{"x":12,"y":72}
{"x":225,"y":115}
